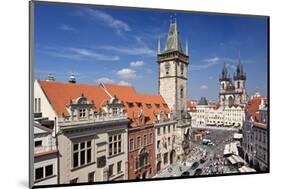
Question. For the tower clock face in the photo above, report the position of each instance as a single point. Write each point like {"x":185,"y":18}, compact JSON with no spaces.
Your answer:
{"x":167,"y":66}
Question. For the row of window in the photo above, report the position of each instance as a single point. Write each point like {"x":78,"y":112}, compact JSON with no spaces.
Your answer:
{"x":149,"y":106}
{"x":82,"y":151}
{"x":164,"y":143}
{"x":115,"y":144}
{"x":164,"y":129}
{"x":111,"y":169}
{"x":43,"y":172}
{"x":140,"y":141}
{"x":167,"y":67}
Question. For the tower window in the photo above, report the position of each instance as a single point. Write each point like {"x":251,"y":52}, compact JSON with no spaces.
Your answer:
{"x":223,"y":86}
{"x":181,"y":92}
{"x":238,"y":84}
{"x":182,"y":69}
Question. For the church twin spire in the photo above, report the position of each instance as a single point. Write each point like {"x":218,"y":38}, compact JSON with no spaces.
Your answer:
{"x":238,"y":75}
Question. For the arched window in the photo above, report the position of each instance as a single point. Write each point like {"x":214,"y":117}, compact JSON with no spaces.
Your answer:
{"x":142,"y":158}
{"x":223,"y":86}
{"x":238,"y":84}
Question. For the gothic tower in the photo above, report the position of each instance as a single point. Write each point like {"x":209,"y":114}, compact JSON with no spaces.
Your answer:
{"x":173,"y":65}
{"x":225,"y":83}
{"x":239,"y":82}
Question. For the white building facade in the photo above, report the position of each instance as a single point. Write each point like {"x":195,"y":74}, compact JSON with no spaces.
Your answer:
{"x":45,"y":156}
{"x":218,"y":116}
{"x":165,"y":139}
{"x":91,"y":129}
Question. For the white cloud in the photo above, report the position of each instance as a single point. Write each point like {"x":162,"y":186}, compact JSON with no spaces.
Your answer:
{"x":105,"y":80}
{"x":204,"y":87}
{"x":122,"y":82}
{"x":131,"y":51}
{"x":89,"y":53}
{"x":137,"y":63}
{"x":127,"y":73}
{"x":66,"y":28}
{"x":212,"y":60}
{"x":118,"y":25}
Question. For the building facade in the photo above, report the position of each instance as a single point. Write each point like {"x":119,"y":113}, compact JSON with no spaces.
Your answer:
{"x":255,"y":134}
{"x":217,"y":115}
{"x":165,"y":140}
{"x":45,"y":156}
{"x":143,"y":111}
{"x":91,"y":128}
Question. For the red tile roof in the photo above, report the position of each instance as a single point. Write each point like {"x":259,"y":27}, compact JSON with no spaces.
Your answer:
{"x":190,"y":105}
{"x":253,"y":106}
{"x":59,"y":94}
{"x":134,"y":102}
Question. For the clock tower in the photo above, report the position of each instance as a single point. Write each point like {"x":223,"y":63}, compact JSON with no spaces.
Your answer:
{"x":173,"y":67}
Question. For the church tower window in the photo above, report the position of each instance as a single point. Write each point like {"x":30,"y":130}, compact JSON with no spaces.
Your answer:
{"x":182,"y":69}
{"x":181,"y":92}
{"x":238,"y":84}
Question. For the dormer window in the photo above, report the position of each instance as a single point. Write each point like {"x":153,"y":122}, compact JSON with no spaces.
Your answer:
{"x":148,"y":106}
{"x":114,"y":111}
{"x":139,"y":104}
{"x":82,"y":113}
{"x":130,"y":104}
{"x":157,"y":105}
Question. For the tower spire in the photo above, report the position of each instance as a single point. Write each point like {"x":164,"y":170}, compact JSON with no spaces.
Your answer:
{"x":159,"y":46}
{"x":186,"y":48}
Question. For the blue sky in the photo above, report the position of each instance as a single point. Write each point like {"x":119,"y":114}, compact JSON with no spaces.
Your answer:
{"x":118,"y":45}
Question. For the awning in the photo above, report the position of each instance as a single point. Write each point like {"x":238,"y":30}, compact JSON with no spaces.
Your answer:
{"x":230,"y":149}
{"x":237,"y":136}
{"x":234,"y":159}
{"x":246,"y":169}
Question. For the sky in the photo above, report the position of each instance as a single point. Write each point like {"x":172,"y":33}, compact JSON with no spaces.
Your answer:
{"x":119,"y":45}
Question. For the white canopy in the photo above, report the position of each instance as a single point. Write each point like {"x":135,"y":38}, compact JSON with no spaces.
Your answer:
{"x":237,"y":136}
{"x":246,"y":169}
{"x":230,"y":149}
{"x":234,"y":159}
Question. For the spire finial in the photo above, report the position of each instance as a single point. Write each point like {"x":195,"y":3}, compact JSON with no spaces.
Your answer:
{"x":186,"y":48}
{"x":175,"y":19}
{"x":159,"y":46}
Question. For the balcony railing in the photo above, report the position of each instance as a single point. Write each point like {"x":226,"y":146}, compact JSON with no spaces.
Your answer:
{"x":92,"y":119}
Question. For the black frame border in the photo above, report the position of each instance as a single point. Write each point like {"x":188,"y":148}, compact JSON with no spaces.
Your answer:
{"x":31,"y":91}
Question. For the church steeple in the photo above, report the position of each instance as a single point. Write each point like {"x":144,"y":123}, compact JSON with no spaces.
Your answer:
{"x":224,"y":73}
{"x":173,"y":42}
{"x":173,"y":66}
{"x":239,"y":75}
